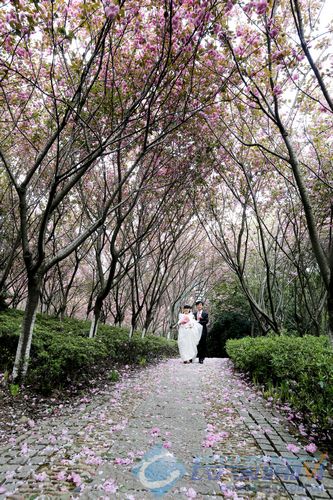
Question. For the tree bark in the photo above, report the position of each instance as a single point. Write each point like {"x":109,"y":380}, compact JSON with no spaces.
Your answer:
{"x":330,"y":299}
{"x":23,"y":349}
{"x":131,"y":331}
{"x":318,"y":251}
{"x":96,"y":317}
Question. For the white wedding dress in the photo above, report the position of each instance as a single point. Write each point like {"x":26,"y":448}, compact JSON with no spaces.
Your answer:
{"x":189,"y":335}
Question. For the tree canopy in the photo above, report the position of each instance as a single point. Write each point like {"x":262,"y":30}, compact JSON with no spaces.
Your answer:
{"x":152,"y":151}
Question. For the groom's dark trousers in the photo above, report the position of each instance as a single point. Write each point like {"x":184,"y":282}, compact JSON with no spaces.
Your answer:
{"x":202,"y":346}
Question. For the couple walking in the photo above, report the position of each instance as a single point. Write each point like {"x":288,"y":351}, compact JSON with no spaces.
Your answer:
{"x":192,"y":333}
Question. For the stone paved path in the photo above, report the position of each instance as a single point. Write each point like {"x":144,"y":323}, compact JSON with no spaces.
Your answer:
{"x":207,"y":422}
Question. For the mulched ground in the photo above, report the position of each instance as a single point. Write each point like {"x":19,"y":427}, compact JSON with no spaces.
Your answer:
{"x":21,"y":412}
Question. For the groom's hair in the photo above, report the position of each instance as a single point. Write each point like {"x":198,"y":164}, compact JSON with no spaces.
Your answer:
{"x":199,"y":302}
{"x":186,"y":306}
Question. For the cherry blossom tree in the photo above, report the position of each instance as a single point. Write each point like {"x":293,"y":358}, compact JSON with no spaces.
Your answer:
{"x":93,"y":80}
{"x":276,"y":83}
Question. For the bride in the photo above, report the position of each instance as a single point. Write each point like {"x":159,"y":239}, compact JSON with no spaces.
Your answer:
{"x":189,"y":334}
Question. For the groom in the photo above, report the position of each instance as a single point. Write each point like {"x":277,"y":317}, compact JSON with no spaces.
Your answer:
{"x":201,"y":316}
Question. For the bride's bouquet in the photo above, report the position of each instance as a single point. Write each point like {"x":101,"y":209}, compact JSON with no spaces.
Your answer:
{"x":185,"y":319}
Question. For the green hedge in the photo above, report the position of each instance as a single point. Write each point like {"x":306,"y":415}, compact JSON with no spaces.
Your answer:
{"x":62,"y":353}
{"x":295,"y":369}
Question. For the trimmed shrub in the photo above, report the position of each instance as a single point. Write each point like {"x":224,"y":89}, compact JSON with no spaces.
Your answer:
{"x":62,"y":353}
{"x":253,"y":355}
{"x":300,"y":369}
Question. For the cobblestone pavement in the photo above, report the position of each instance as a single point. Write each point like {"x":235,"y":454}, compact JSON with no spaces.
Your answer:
{"x":209,"y":425}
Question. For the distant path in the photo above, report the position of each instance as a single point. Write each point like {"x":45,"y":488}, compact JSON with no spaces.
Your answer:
{"x":214,"y":428}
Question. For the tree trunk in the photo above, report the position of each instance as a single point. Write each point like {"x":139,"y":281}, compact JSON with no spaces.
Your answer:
{"x":172,"y":320}
{"x":23,"y":349}
{"x":95,"y":318}
{"x":62,"y":312}
{"x":103,"y":293}
{"x":147,"y":323}
{"x":131,"y":331}
{"x":317,"y":248}
{"x":330,"y":300}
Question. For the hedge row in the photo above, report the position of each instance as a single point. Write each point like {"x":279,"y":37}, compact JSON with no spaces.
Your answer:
{"x":298,"y":370}
{"x":62,"y":353}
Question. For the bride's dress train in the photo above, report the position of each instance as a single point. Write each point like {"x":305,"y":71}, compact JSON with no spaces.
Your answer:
{"x":189,"y":335}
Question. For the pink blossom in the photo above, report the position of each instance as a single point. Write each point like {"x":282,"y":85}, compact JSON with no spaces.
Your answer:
{"x":277,"y":90}
{"x":41,"y":477}
{"x":155,"y":432}
{"x":119,"y":427}
{"x":2,"y":490}
{"x":239,"y":51}
{"x":123,"y":461}
{"x":248,"y":7}
{"x":277,"y":55}
{"x":299,"y":57}
{"x":94,"y":460}
{"x":24,"y":449}
{"x":61,"y":476}
{"x":10,"y":474}
{"x":323,"y":109}
{"x":87,"y":400}
{"x":167,"y":444}
{"x":293,"y":448}
{"x":52,"y":439}
{"x":311,"y":448}
{"x":110,"y":486}
{"x":240,"y":31}
{"x":191,"y":493}
{"x":111,"y":11}
{"x":302,"y":431}
{"x":227,"y":492}
{"x":229,"y":6}
{"x":212,"y":439}
{"x":261,"y":7}
{"x":75,"y":478}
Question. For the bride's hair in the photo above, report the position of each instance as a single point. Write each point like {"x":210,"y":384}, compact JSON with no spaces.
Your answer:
{"x":186,"y":306}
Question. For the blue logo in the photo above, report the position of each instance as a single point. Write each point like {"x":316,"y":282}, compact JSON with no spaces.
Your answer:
{"x":159,"y":470}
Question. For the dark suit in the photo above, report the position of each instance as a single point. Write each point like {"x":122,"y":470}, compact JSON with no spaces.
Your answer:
{"x":203,"y":341}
